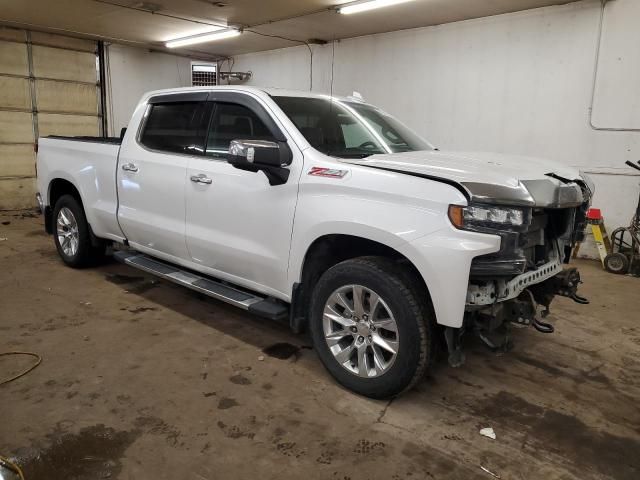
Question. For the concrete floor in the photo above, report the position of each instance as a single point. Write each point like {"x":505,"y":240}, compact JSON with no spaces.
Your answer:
{"x":146,"y":380}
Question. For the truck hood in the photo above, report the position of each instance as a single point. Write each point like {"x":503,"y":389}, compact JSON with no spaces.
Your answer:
{"x":490,"y":177}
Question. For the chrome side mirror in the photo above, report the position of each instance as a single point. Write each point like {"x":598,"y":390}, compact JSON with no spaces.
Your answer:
{"x":256,"y":152}
{"x":262,"y":155}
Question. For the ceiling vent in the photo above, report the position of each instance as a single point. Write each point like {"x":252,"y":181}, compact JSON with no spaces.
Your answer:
{"x":203,"y":75}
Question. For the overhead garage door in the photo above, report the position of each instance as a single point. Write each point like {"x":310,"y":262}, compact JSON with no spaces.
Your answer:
{"x":48,"y":86}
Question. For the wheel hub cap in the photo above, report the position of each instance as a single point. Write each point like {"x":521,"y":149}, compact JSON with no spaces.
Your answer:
{"x":364,"y":329}
{"x":360,"y":330}
{"x":615,"y":263}
{"x":67,"y":232}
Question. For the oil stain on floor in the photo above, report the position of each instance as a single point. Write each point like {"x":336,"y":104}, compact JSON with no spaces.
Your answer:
{"x":283,"y":351}
{"x":93,"y":453}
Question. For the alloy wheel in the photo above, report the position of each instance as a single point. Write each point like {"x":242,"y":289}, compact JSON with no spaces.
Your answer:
{"x":360,"y":330}
{"x":67,"y":232}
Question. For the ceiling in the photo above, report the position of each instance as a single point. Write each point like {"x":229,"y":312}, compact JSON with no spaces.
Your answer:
{"x":150,"y":23}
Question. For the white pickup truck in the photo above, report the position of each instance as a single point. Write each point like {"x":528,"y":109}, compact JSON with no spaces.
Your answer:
{"x":326,"y":211}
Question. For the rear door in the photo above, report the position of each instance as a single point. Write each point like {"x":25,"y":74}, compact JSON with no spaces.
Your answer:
{"x":152,"y":170}
{"x":239,"y":226}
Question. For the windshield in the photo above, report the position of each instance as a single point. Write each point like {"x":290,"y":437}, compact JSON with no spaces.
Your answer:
{"x":349,"y":129}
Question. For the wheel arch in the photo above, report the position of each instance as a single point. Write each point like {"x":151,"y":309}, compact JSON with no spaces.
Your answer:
{"x":329,"y":250}
{"x":56,"y":189}
{"x":59,"y":187}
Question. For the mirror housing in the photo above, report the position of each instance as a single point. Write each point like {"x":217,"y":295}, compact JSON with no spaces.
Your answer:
{"x":256,"y":152}
{"x":255,"y":155}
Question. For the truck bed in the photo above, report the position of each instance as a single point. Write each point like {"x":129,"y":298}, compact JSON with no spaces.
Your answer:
{"x":89,"y":165}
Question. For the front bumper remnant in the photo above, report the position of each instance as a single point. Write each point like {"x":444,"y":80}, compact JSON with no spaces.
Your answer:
{"x":489,"y":292}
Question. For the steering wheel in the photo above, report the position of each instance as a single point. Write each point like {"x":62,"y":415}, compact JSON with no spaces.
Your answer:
{"x":389,"y":135}
{"x":367,"y":145}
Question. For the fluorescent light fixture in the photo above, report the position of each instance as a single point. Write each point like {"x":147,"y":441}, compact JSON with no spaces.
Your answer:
{"x":195,"y":31}
{"x":203,"y":38}
{"x":366,"y":5}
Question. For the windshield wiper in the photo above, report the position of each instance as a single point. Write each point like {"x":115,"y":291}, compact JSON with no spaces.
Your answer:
{"x":351,"y":155}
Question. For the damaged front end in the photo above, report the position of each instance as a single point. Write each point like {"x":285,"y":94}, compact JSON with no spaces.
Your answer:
{"x":539,"y":223}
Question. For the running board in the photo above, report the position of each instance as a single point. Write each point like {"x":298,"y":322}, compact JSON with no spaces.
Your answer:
{"x":249,"y":301}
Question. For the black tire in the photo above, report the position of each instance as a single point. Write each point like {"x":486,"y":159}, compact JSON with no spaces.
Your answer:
{"x":616,"y":263}
{"x":86,"y":254}
{"x":413,"y":315}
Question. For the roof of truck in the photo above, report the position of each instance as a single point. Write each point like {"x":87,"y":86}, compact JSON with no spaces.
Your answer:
{"x":272,"y":91}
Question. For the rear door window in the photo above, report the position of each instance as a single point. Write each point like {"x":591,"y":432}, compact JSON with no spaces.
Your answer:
{"x":177,"y":127}
{"x":232,"y":121}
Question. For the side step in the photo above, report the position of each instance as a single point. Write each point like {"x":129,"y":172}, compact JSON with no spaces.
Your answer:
{"x":244,"y":299}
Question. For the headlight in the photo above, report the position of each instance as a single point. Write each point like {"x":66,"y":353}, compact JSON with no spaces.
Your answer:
{"x":486,"y":216}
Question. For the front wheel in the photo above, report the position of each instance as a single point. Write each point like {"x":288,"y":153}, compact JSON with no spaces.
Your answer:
{"x":72,"y":235}
{"x":372,"y":328}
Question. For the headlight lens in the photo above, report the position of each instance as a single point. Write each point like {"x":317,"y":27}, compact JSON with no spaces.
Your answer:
{"x":486,"y":215}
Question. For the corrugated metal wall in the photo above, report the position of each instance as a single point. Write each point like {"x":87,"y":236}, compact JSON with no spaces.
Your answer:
{"x":48,"y":86}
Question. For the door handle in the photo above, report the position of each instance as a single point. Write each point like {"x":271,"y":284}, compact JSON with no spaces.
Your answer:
{"x":130,"y":167}
{"x":202,"y":178}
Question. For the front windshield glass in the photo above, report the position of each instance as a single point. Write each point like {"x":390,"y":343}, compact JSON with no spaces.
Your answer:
{"x":349,"y":129}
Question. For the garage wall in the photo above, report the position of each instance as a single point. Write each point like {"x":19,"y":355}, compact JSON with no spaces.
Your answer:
{"x":133,"y":71}
{"x":516,"y":83}
{"x":617,"y":96}
{"x":48,"y":86}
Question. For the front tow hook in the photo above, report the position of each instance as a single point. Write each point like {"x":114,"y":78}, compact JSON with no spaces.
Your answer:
{"x":542,"y":327}
{"x":578,"y":299}
{"x":567,"y":285}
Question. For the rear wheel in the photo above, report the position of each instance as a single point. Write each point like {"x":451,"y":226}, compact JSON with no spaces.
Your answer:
{"x":72,"y":235}
{"x":371,"y":327}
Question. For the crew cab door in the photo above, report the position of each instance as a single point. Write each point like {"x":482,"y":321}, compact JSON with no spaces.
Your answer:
{"x":152,"y":169}
{"x":238,"y":225}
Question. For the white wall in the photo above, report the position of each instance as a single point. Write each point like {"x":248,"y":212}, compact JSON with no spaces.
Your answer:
{"x":134,"y":71}
{"x":516,"y":83}
{"x":617,"y":100}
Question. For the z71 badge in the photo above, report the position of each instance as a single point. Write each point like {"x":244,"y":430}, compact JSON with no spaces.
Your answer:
{"x":327,"y":172}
